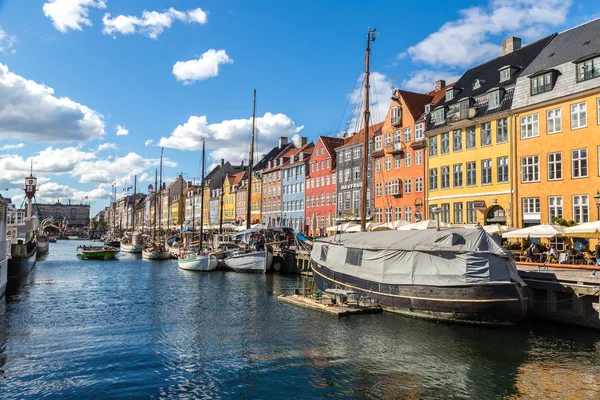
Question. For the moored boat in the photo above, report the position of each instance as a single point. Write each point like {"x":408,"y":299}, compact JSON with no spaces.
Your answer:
{"x":134,"y":245}
{"x":155,"y":252}
{"x":23,"y":245}
{"x":3,"y":245}
{"x":456,"y":274}
{"x":43,"y":245}
{"x":197,"y":262}
{"x":97,"y":252}
{"x":256,"y":261}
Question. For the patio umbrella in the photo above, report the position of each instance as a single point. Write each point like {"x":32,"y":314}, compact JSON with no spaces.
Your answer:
{"x":497,"y":228}
{"x":588,"y":230}
{"x":425,"y":224}
{"x":342,"y":227}
{"x":392,"y":225}
{"x":546,"y":231}
{"x":369,"y":226}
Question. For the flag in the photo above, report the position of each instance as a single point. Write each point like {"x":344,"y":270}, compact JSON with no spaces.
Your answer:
{"x":86,"y":197}
{"x":150,"y":187}
{"x":130,"y":188}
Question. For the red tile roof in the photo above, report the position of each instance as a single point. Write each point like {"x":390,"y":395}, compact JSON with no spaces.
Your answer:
{"x":415,"y":102}
{"x":358,"y":137}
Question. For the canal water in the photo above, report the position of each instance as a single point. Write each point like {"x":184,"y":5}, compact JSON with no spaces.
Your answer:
{"x":138,"y":329}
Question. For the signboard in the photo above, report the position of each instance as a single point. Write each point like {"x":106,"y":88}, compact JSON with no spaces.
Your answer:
{"x":479,"y":205}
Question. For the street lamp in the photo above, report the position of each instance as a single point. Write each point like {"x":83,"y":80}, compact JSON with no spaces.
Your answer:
{"x":597,"y":198}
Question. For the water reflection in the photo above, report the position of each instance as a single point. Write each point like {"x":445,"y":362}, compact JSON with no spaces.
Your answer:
{"x":134,"y":328}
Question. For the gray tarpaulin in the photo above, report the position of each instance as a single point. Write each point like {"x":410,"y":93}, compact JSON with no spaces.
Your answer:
{"x":449,"y":257}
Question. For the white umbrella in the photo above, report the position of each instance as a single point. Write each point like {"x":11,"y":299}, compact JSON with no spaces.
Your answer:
{"x":537,"y":231}
{"x":425,"y":224}
{"x":239,"y":228}
{"x":390,"y":225}
{"x":589,"y":230}
{"x":258,"y":226}
{"x":497,"y":228}
{"x":342,"y":227}
{"x":370,"y":226}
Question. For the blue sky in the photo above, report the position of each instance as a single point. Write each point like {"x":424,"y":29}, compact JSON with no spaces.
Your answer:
{"x":73,"y":73}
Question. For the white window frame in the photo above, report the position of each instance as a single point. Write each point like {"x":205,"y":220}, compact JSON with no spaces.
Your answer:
{"x":394,"y":115}
{"x":397,"y":136}
{"x":408,"y":213}
{"x":502,"y":164}
{"x":397,"y":162}
{"x":457,"y":140}
{"x":531,"y":206}
{"x":487,"y":176}
{"x":433,"y":146}
{"x":397,"y":213}
{"x":488,"y":133}
{"x":555,"y":207}
{"x":419,"y":184}
{"x":378,"y":189}
{"x":457,"y":175}
{"x":471,"y":173}
{"x":530,"y":126}
{"x":433,"y":178}
{"x":581,"y":208}
{"x":378,"y":142}
{"x":530,"y":165}
{"x":502,"y":130}
{"x":577,"y":111}
{"x":555,"y":166}
{"x":445,"y":139}
{"x":407,"y":134}
{"x":378,"y":165}
{"x":579,"y":163}
{"x":419,"y":157}
{"x":554,"y":118}
{"x":419,"y":135}
{"x":388,"y":139}
{"x":445,"y":177}
{"x":388,"y":163}
{"x":408,"y":185}
{"x":470,"y":132}
{"x":407,"y":159}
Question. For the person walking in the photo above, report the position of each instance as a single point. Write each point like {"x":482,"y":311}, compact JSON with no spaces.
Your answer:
{"x":597,"y":254}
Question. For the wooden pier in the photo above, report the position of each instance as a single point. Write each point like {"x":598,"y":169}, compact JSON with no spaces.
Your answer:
{"x":325,"y":306}
{"x":562,"y":292}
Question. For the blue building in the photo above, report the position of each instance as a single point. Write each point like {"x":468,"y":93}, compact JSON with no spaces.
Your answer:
{"x":292,"y":186}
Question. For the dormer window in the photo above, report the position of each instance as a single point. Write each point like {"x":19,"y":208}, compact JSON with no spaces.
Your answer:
{"x":427,"y":108}
{"x":477,"y":83}
{"x":541,"y":83}
{"x":495,"y":98}
{"x":588,"y":69}
{"x":439,"y":115}
{"x":395,"y":115}
{"x":505,"y":74}
{"x":450,"y":93}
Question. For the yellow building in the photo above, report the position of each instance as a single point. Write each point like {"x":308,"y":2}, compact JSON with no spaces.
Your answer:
{"x":557,"y":114}
{"x":229,"y":203}
{"x":469,"y":146}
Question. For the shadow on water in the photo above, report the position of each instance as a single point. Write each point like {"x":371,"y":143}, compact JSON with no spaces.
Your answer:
{"x":132,"y":328}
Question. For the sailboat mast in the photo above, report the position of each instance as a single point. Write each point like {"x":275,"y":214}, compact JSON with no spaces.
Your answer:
{"x":202,"y":198}
{"x":160,"y":194}
{"x":250,"y":163}
{"x":367,"y":115}
{"x":221,"y":208}
{"x":155,"y":203}
{"x":133,"y":204}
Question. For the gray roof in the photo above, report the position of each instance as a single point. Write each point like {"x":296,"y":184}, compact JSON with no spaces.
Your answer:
{"x":568,"y":46}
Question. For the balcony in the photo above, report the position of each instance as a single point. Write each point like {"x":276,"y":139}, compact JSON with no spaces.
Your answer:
{"x":398,"y":148}
{"x":395,"y":121}
{"x":377,"y":153}
{"x":419,"y":144}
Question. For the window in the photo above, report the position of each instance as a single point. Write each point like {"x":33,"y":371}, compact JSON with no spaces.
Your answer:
{"x":388,"y":214}
{"x":356,"y":152}
{"x":388,"y":163}
{"x":419,"y":128}
{"x":388,"y":139}
{"x":457,"y":140}
{"x":407,"y":134}
{"x":378,"y":215}
{"x":418,"y":157}
{"x":458,"y":175}
{"x":395,"y":187}
{"x":397,"y":213}
{"x":531,"y":208}
{"x":378,"y":142}
{"x":445,"y":138}
{"x":555,"y":207}
{"x":578,"y":115}
{"x":493,"y":99}
{"x":433,"y":144}
{"x":554,"y":166}
{"x":471,"y":213}
{"x":486,"y":172}
{"x":433,"y":179}
{"x":347,"y":156}
{"x":439,"y":116}
{"x":449,"y":94}
{"x":471,"y":141}
{"x":356,"y":199}
{"x":408,"y":185}
{"x":354,"y":256}
{"x":419,"y":184}
{"x":397,"y":162}
{"x":408,"y":213}
{"x":328,"y":163}
{"x":445,"y":177}
{"x":327,"y":182}
{"x":502,"y":169}
{"x":340,"y":199}
{"x":529,"y":126}
{"x":504,"y":74}
{"x":580,"y":208}
{"x":347,"y":174}
{"x":334,"y":178}
{"x":502,"y":130}
{"x":395,"y":115}
{"x":471,"y":173}
{"x":541,"y":83}
{"x":446,"y":212}
{"x":486,"y":134}
{"x":347,"y":200}
{"x":312,"y":168}
{"x":341,"y":176}
{"x":530,"y":169}
{"x":588,"y":69}
{"x":580,"y":164}
{"x":553,"y":121}
{"x":407,"y":160}
{"x":378,"y":189}
{"x":356,"y":173}
{"x":378,"y":165}
{"x":458,"y":213}
{"x":333,"y":199}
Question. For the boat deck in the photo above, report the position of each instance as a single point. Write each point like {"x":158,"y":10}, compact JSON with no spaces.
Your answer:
{"x":333,"y":309}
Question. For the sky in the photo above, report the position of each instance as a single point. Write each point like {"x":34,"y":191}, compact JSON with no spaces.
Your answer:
{"x":91,"y":90}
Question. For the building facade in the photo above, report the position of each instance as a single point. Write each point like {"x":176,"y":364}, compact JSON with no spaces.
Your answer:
{"x":75,"y":214}
{"x":469,"y":141}
{"x":293,"y":174}
{"x":321,"y":186}
{"x":557,"y":118}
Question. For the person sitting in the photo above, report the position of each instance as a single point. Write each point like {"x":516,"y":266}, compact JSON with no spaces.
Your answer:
{"x":533,"y":254}
{"x":552,"y":255}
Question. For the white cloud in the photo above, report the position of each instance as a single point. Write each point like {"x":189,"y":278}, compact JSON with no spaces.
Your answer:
{"x":11,"y":146}
{"x":423,"y":81}
{"x":230,"y":139}
{"x":121,"y":130}
{"x":381,"y":91}
{"x":30,"y":111}
{"x":151,"y":23}
{"x":52,"y":191}
{"x":472,"y":38}
{"x":148,"y":142}
{"x":71,"y":14}
{"x":7,"y":42}
{"x":106,"y":146}
{"x":207,"y":66}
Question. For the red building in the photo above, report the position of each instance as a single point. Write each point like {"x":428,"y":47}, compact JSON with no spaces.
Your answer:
{"x":321,"y":186}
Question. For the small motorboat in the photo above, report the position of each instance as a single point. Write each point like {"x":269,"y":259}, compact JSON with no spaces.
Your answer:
{"x":97,"y":252}
{"x":155,"y":252}
{"x":197,"y":262}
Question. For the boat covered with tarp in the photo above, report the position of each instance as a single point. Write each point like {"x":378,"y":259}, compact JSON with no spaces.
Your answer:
{"x":457,"y":274}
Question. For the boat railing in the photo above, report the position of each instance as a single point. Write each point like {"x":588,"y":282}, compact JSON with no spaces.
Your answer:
{"x":542,"y":265}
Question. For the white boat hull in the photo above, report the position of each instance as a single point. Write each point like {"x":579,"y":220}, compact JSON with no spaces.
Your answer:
{"x":154,"y":255}
{"x":258,"y":261}
{"x":198,"y":263}
{"x":132,"y":248}
{"x":43,"y":247}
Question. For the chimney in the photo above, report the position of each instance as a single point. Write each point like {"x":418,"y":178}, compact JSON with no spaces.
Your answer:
{"x":283,"y":141}
{"x":222,"y":162}
{"x":509,"y":45}
{"x":303,"y":141}
{"x":439,"y":84}
{"x":242,"y":164}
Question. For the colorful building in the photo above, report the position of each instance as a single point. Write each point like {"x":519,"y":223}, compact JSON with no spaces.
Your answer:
{"x":557,"y":117}
{"x":293,"y":174}
{"x":255,"y":200}
{"x":469,"y":147}
{"x":399,"y":160}
{"x":321,"y":186}
{"x":349,"y":176}
{"x":269,"y":169}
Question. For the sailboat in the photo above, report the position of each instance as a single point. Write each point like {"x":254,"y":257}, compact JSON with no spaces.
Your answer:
{"x":259,"y":259}
{"x":133,"y":244}
{"x":200,"y":261}
{"x":449,"y":274}
{"x":156,"y":250}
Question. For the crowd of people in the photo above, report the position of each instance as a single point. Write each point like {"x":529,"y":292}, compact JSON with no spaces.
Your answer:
{"x":538,"y":253}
